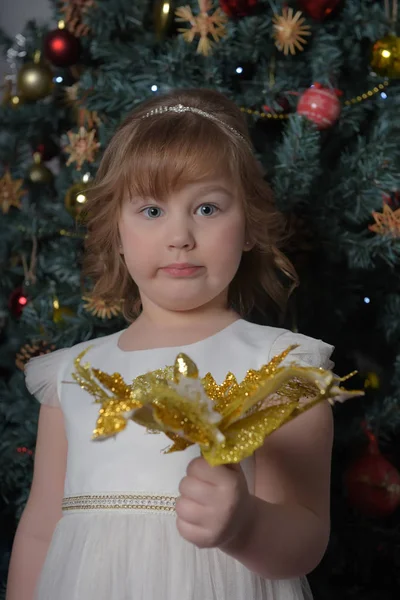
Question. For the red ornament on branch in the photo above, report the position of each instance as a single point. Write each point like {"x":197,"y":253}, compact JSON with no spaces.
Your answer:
{"x":17,"y":302}
{"x":238,"y":8}
{"x":318,"y":9}
{"x":320,"y":105}
{"x":372,"y":482}
{"x":61,"y":48}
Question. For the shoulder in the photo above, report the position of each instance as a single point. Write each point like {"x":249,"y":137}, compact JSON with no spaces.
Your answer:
{"x":43,"y":373}
{"x":273,"y":341}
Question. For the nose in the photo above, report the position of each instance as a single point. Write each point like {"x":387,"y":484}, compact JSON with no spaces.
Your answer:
{"x":180,"y":235}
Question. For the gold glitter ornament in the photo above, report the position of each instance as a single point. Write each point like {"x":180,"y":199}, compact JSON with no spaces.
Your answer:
{"x":229,"y":421}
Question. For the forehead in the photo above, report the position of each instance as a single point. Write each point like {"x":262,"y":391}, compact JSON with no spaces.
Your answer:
{"x":185,"y":154}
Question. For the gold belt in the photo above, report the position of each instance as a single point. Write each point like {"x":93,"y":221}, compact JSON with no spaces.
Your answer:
{"x":145,"y":502}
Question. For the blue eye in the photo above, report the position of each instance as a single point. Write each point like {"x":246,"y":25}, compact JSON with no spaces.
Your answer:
{"x":152,"y":212}
{"x":207,"y":210}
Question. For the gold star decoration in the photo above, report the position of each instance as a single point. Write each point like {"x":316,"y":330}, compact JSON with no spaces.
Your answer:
{"x":387,"y":222}
{"x":229,"y":421}
{"x":203,"y":25}
{"x":289,"y":31}
{"x":101,"y":308}
{"x":10,"y":192}
{"x":82,"y":147}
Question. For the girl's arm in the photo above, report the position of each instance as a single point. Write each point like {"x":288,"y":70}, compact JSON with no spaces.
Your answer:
{"x":43,"y":509}
{"x":289,"y":526}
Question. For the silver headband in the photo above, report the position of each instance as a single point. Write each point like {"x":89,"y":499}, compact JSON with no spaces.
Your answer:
{"x":180,"y":108}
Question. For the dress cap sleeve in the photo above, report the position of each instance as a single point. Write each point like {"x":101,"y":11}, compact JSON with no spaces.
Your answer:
{"x":42,"y":376}
{"x":310,"y":352}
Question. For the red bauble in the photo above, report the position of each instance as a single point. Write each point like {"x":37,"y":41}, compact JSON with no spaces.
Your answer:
{"x":318,"y":9}
{"x":373,"y":483}
{"x":17,"y":302}
{"x":238,"y":8}
{"x":61,"y":48}
{"x":320,"y":105}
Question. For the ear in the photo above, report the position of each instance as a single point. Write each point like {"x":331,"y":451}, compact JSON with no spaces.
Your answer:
{"x":248,"y":246}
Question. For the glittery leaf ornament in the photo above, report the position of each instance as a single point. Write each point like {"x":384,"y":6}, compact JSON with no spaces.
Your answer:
{"x":202,"y":25}
{"x":289,"y":31}
{"x":82,"y":147}
{"x":229,"y":421}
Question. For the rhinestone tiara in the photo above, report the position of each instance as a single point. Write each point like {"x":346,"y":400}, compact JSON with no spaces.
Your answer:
{"x":180,"y":108}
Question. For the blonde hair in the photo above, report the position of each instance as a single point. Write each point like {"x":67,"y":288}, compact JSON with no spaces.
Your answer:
{"x":162,"y":153}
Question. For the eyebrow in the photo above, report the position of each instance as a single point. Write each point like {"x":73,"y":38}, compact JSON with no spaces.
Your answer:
{"x":213,"y":188}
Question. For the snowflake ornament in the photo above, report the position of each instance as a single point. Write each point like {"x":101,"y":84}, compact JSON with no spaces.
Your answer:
{"x":204,"y":25}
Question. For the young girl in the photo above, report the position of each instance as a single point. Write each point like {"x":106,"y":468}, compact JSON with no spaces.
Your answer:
{"x":182,"y":227}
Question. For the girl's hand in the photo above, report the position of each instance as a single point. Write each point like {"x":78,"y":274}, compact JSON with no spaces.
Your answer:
{"x":215,"y":505}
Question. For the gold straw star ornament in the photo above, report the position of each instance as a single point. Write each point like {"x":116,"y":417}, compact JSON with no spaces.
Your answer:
{"x":205,"y":25}
{"x":229,"y":421}
{"x":290,"y":31}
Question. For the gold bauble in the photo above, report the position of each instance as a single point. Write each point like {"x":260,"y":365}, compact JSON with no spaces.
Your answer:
{"x":38,"y":173}
{"x":75,"y":198}
{"x":163,"y":17}
{"x":386,"y":57}
{"x":35,"y":81}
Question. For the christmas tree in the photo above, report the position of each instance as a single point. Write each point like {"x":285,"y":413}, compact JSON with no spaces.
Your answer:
{"x":317,"y":81}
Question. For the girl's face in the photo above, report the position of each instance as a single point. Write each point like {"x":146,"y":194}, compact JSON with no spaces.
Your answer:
{"x":184,"y":252}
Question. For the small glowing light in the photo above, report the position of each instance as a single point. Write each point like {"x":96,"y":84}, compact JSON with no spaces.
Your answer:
{"x":81,"y":198}
{"x":239,"y":70}
{"x":166,"y":8}
{"x":86,"y":177}
{"x":58,"y":79}
{"x":56,"y":304}
{"x":367,"y":300}
{"x":383,"y":95}
{"x":15,"y":100}
{"x":22,"y":301}
{"x":154,"y":88}
{"x":386,"y":53}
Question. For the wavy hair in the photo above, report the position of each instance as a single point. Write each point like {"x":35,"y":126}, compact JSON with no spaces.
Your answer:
{"x":155,"y":156}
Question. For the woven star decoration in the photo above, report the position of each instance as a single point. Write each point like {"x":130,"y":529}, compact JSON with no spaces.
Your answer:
{"x":387,"y":222}
{"x":202,"y":25}
{"x":74,"y":11}
{"x":10,"y":192}
{"x":289,"y":31}
{"x":82,"y":147}
{"x":29,"y":351}
{"x":101,"y":308}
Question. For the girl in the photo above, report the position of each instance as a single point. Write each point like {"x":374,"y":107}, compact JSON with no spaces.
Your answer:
{"x":182,"y":227}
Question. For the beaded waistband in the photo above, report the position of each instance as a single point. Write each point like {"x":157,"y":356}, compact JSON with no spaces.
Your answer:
{"x":141,"y":502}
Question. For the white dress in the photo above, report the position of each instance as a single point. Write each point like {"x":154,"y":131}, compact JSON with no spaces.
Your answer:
{"x":117,"y":539}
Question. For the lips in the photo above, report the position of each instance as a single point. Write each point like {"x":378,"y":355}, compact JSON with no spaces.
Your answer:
{"x":181,"y":269}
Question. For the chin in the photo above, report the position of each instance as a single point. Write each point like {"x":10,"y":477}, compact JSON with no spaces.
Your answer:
{"x":184,"y":304}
